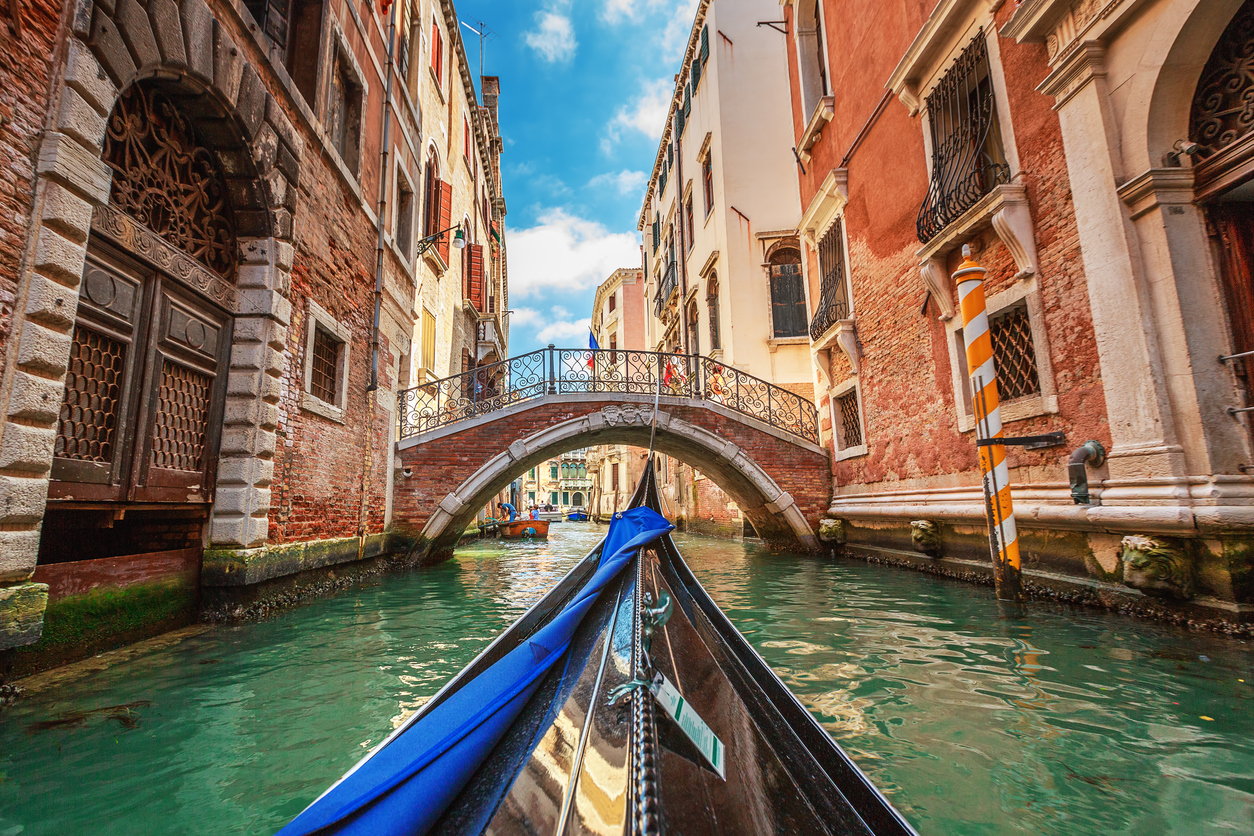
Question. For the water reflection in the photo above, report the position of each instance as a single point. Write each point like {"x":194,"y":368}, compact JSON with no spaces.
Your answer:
{"x":1066,"y":721}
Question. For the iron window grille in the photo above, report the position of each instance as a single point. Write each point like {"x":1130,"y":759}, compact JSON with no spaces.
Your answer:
{"x":1014,"y":353}
{"x":833,"y":291}
{"x":968,"y":160}
{"x":326,"y":361}
{"x":666,"y":288}
{"x":850,"y":419}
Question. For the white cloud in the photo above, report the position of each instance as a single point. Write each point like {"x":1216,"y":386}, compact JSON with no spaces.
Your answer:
{"x":624,"y":182}
{"x":523,"y":317}
{"x":553,"y":37}
{"x":566,"y":253}
{"x":568,"y":332}
{"x":646,"y":113}
{"x":670,"y":39}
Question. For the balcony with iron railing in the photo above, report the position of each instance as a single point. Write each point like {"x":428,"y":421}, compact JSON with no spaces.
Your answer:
{"x":667,"y":287}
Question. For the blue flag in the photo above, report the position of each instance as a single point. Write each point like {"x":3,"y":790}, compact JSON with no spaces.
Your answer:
{"x":592,"y":342}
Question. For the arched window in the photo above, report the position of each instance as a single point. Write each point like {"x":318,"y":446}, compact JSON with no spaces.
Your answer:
{"x":431,"y":209}
{"x":788,"y":297}
{"x":711,"y":303}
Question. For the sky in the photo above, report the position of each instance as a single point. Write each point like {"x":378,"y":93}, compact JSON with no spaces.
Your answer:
{"x":584,"y":93}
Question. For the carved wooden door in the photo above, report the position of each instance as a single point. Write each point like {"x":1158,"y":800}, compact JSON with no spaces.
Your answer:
{"x":142,"y":406}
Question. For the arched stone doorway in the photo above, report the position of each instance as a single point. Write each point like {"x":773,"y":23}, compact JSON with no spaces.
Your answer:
{"x":1222,"y":153}
{"x":139,"y":427}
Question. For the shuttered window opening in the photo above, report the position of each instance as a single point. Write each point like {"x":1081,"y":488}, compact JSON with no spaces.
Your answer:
{"x":687,"y":100}
{"x":445,"y":218}
{"x":437,"y":53}
{"x":404,"y":217}
{"x":476,"y":276}
{"x":326,"y":362}
{"x":850,"y":425}
{"x":833,"y":289}
{"x":788,"y":300}
{"x":1014,"y":353}
{"x":428,"y":341}
{"x":705,"y":44}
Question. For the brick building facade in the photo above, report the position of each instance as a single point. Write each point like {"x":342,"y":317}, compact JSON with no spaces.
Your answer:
{"x":214,"y":283}
{"x":1069,"y":147}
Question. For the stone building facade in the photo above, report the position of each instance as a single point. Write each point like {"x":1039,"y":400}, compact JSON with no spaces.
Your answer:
{"x":1091,"y":154}
{"x":721,"y":253}
{"x":191,"y":394}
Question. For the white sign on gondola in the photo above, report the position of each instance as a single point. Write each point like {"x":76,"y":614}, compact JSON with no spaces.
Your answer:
{"x":690,"y":723}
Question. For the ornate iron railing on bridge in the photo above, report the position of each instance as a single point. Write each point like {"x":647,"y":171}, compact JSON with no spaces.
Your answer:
{"x":565,"y":371}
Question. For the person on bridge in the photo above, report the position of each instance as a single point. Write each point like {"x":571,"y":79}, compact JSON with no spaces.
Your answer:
{"x":505,"y":506}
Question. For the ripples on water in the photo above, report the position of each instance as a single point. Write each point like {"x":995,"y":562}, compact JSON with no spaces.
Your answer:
{"x":1067,"y":721}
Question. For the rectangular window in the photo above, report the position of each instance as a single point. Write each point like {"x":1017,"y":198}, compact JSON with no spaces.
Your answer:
{"x":344,"y":117}
{"x":533,"y":474}
{"x":565,"y":497}
{"x":968,"y":160}
{"x":404,"y":232}
{"x":692,"y":227}
{"x":466,"y":139}
{"x":437,"y":54}
{"x":614,"y":476}
{"x":531,"y":497}
{"x":1014,"y":353}
{"x":849,"y":421}
{"x":833,"y":290}
{"x":326,"y":360}
{"x":552,"y":471}
{"x":553,"y":498}
{"x":613,"y":302}
{"x":428,"y":342}
{"x":707,"y":183}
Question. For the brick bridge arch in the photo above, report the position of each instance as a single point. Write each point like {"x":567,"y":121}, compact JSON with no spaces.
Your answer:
{"x":781,"y":482}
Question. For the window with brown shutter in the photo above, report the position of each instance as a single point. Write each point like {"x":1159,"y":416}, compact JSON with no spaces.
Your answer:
{"x":437,"y":54}
{"x":476,"y":275}
{"x":444,"y":221}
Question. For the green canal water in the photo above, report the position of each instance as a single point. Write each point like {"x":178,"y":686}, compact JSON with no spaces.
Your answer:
{"x":1065,"y":722}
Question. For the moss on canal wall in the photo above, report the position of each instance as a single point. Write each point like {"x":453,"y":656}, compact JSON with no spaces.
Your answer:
{"x":79,"y":626}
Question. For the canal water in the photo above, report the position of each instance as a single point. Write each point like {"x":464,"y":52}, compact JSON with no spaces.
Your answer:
{"x":1065,"y":722}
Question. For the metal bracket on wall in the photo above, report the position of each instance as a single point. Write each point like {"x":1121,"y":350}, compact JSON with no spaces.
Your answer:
{"x":1028,"y":442}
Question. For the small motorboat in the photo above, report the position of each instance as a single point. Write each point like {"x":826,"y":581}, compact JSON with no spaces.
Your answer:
{"x":623,"y":702}
{"x":551,"y":516}
{"x":577,"y":515}
{"x":523,"y":530}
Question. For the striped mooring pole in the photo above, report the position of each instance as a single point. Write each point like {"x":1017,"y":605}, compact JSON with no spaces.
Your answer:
{"x":995,"y":473}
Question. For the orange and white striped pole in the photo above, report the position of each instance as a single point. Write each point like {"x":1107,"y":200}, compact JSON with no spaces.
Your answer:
{"x":995,"y":472}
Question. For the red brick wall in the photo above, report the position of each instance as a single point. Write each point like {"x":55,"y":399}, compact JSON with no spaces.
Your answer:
{"x":439,"y":467}
{"x":25,"y":64}
{"x":326,"y":472}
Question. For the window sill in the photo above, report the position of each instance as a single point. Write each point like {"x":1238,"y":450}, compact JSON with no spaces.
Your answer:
{"x":1005,"y":209}
{"x":851,"y":452}
{"x":439,"y":85}
{"x":823,"y":113}
{"x":433,"y":257}
{"x":1019,"y":410}
{"x":775,"y":342}
{"x":314,"y":404}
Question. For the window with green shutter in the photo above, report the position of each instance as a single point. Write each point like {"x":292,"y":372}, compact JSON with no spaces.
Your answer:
{"x":687,"y":101}
{"x":696,"y":72}
{"x":705,"y":44}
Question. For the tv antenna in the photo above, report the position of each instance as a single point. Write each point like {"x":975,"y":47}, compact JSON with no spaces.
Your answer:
{"x":485,"y":34}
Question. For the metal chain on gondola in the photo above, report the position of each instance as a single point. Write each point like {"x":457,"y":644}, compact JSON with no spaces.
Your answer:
{"x":643,"y":722}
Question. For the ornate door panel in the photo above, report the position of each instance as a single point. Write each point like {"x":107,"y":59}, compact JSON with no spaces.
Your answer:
{"x":94,"y":437}
{"x":183,"y":395}
{"x":143,"y":398}
{"x":1233,"y":229}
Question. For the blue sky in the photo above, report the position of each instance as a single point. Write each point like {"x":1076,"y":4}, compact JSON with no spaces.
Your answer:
{"x":584,"y":92}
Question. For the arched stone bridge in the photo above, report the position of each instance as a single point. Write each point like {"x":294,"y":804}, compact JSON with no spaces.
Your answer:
{"x":465,"y":438}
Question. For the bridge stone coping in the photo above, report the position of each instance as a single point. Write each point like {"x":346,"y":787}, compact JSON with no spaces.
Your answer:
{"x":602,"y":397}
{"x":458,"y":508}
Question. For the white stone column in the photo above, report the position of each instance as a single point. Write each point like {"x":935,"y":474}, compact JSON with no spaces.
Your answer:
{"x":1142,"y":426}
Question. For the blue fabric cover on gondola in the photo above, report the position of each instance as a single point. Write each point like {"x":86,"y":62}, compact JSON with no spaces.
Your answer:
{"x":404,"y":787}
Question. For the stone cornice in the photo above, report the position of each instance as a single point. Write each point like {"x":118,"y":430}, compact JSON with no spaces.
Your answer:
{"x":942,"y":30}
{"x":1085,"y":62}
{"x":1157,"y":187}
{"x":827,"y":203}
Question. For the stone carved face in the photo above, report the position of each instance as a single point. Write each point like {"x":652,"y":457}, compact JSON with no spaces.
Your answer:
{"x":925,"y":535}
{"x":1157,"y":567}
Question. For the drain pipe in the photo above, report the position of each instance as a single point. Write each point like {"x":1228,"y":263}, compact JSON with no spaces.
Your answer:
{"x":383,"y":205}
{"x":1089,"y":453}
